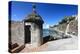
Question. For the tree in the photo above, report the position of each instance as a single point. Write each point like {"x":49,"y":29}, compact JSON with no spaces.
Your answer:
{"x":66,"y":19}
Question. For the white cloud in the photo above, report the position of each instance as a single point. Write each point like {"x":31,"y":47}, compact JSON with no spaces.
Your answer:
{"x":45,"y":25}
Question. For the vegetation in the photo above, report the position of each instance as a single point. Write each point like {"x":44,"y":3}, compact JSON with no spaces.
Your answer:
{"x":66,"y":19}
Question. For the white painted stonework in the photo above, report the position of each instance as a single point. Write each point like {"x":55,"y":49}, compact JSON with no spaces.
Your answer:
{"x":35,"y":34}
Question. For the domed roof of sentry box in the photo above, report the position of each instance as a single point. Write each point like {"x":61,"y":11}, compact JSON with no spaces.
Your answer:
{"x":34,"y":16}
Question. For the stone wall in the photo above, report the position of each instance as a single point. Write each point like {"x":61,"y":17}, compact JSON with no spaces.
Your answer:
{"x":73,"y":27}
{"x":18,"y":36}
{"x":36,"y":34}
{"x":17,"y":33}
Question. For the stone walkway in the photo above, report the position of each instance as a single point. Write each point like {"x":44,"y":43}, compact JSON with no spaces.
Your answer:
{"x":28,"y":48}
{"x":62,"y":44}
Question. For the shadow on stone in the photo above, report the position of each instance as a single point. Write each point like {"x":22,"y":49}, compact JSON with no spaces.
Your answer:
{"x":15,"y":48}
{"x":48,"y":38}
{"x":51,"y":38}
{"x":66,"y":36}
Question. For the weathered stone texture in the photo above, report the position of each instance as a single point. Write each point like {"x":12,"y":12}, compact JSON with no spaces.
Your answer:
{"x":35,"y":34}
{"x":73,"y":27}
{"x":17,"y":32}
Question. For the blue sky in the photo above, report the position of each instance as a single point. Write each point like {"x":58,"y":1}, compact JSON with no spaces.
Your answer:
{"x":50,"y":13}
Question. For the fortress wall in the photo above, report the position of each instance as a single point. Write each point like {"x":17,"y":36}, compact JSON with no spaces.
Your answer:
{"x":17,"y":33}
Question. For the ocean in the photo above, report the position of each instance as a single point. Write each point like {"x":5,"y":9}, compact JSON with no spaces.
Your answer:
{"x":47,"y":32}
